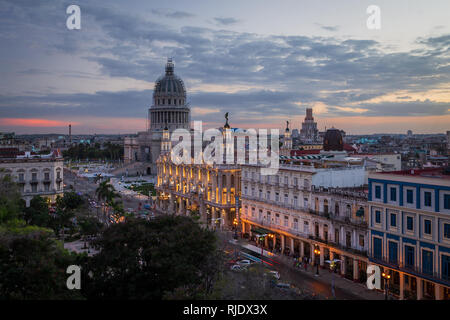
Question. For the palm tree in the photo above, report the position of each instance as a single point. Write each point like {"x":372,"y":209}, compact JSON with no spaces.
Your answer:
{"x":107,"y":193}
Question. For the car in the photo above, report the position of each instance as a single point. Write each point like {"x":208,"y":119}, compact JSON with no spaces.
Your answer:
{"x":244,"y":262}
{"x":236,"y":267}
{"x":282,"y":285}
{"x":275,"y":274}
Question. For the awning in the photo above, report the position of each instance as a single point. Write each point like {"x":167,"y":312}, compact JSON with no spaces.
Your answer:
{"x":261,"y":230}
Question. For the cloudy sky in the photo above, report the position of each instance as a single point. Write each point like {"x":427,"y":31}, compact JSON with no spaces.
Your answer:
{"x":262,"y":61}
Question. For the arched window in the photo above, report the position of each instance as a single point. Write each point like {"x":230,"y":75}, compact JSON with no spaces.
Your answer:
{"x":349,"y":210}
{"x":306,"y":184}
{"x":336,"y":209}
{"x":325,"y":206}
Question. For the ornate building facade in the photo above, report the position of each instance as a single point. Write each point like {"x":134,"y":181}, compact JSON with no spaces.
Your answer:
{"x":36,"y":175}
{"x":209,"y":191}
{"x":302,"y":213}
{"x":169,"y":110}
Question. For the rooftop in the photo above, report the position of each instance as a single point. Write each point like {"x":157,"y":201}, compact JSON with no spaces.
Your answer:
{"x":439,"y":173}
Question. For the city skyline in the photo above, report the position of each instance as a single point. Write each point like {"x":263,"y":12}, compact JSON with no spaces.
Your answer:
{"x":100,"y":78}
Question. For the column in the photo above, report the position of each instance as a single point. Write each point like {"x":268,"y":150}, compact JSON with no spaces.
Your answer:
{"x":313,"y":255}
{"x":213,"y":217}
{"x":438,"y":291}
{"x":354,"y":242}
{"x":419,"y":288}
{"x":171,"y":206}
{"x":402,"y":286}
{"x":202,"y":210}
{"x":282,"y":243}
{"x":342,"y":238}
{"x":214,"y":186}
{"x":302,"y":249}
{"x":243,"y":227}
{"x":266,"y":242}
{"x":292,"y":246}
{"x":322,"y":256}
{"x":228,"y":177}
{"x":219,"y":196}
{"x":274,"y":241}
{"x":343,"y":264}
{"x":355,"y":269}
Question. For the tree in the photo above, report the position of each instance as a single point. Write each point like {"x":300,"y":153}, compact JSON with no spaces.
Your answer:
{"x":37,"y":213}
{"x":33,"y":265}
{"x":11,"y":204}
{"x":107,"y":193}
{"x":65,"y":209}
{"x":142,"y":259}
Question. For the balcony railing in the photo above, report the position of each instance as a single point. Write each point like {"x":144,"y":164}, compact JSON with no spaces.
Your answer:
{"x":415,"y":270}
{"x":271,"y":225}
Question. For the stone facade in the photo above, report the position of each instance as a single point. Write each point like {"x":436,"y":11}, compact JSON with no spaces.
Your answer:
{"x":210,"y":191}
{"x":36,"y":176}
{"x":301,"y":218}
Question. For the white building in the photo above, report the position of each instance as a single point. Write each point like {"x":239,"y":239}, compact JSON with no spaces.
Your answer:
{"x":37,"y":175}
{"x":300,"y":217}
{"x":169,"y":109}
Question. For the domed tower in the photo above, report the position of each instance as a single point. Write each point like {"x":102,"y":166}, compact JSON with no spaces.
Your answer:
{"x":169,"y":103}
{"x":287,"y":142}
{"x":169,"y":112}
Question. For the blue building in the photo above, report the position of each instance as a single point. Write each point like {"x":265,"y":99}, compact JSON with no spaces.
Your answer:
{"x":409,"y":231}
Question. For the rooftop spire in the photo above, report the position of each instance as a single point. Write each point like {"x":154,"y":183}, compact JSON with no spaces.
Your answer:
{"x":169,"y":66}
{"x":226,"y":126}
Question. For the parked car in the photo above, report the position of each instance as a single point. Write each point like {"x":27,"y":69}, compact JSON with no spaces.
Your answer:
{"x":236,"y":267}
{"x":282,"y":285}
{"x":244,"y":262}
{"x":275,"y":274}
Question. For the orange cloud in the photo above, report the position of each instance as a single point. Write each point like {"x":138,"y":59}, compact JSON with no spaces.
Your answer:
{"x":21,"y":122}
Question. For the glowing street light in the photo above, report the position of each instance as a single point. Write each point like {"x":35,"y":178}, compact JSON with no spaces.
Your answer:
{"x":386,"y":278}
{"x":317,"y":253}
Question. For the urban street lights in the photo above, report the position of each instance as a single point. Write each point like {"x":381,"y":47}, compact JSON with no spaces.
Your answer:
{"x":386,"y":278}
{"x":235,"y":224}
{"x":317,"y":253}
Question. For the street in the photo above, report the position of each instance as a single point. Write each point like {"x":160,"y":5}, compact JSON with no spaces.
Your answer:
{"x":307,"y":280}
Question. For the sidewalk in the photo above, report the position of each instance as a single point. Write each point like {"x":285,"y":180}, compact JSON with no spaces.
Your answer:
{"x":325,"y":276}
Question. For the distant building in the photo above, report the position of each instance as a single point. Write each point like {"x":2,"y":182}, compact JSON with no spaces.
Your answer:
{"x":448,"y":142}
{"x":409,"y":133}
{"x":37,"y":175}
{"x":169,"y":109}
{"x":409,"y":231}
{"x":309,"y":134}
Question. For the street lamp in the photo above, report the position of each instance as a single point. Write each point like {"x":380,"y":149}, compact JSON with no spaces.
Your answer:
{"x":235,"y":223}
{"x":317,"y":252}
{"x":386,"y":278}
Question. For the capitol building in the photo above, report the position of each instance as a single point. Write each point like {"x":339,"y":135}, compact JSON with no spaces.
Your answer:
{"x":169,"y":111}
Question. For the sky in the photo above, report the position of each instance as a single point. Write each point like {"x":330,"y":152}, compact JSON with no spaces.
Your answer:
{"x":262,"y":61}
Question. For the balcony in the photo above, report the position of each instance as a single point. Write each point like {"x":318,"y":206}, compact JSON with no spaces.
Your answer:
{"x":413,"y":270}
{"x":273,"y":226}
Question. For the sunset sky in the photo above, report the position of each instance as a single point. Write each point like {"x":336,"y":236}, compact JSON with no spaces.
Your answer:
{"x":264,"y":62}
